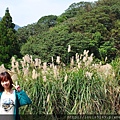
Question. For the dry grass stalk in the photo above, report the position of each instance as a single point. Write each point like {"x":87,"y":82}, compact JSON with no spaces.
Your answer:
{"x":2,"y":68}
{"x":51,"y":65}
{"x":84,"y":59}
{"x":79,"y":65}
{"x":34,"y":74}
{"x":87,"y":60}
{"x":55,"y":71}
{"x":45,"y":66}
{"x":52,"y":60}
{"x":72,"y":62}
{"x":31,"y":59}
{"x":58,"y":60}
{"x":65,"y":78}
{"x":88,"y":75}
{"x":69,"y":48}
{"x":13,"y":62}
{"x":37,"y":63}
{"x":104,"y":70}
{"x":44,"y":78}
{"x":27,"y":59}
{"x":23,"y":64}
{"x":14,"y":77}
{"x":85,"y":53}
{"x":26,"y":71}
{"x":17,"y":67}
{"x":77,"y":57}
{"x":48,"y":98}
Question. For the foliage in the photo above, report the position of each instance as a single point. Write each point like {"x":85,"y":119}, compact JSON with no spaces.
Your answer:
{"x":80,"y":86}
{"x":84,"y":87}
{"x":84,"y":25}
{"x":8,"y":42}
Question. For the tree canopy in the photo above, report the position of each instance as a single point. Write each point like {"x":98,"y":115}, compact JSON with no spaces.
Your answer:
{"x":8,"y":42}
{"x":83,"y":26}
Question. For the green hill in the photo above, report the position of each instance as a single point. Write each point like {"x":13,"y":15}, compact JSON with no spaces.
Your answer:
{"x":84,"y":25}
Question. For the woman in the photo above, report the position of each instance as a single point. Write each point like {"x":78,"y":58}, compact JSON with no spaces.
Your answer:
{"x":10,"y":99}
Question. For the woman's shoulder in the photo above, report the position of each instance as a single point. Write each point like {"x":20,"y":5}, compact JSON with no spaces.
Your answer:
{"x":21,"y":92}
{"x":17,"y":92}
{"x":1,"y":93}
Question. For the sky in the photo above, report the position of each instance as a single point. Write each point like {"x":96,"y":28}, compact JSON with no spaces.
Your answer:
{"x":24,"y":12}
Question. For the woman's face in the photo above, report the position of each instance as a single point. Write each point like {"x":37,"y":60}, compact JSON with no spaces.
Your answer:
{"x":5,"y":84}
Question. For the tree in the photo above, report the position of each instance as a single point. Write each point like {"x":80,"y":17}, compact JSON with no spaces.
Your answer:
{"x":8,"y":43}
{"x":49,"y":20}
{"x":83,"y":26}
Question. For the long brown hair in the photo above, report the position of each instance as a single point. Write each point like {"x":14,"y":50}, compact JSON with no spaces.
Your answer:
{"x":3,"y":77}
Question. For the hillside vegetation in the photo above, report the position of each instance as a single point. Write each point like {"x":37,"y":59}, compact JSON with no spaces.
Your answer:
{"x":83,"y":26}
{"x":84,"y":87}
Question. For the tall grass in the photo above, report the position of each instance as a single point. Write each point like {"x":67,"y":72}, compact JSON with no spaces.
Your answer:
{"x":81,"y":88}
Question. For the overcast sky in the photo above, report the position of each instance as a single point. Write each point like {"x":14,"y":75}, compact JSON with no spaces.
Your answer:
{"x":24,"y":12}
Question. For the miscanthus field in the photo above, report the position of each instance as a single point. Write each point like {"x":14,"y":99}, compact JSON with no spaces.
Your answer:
{"x":82,"y":87}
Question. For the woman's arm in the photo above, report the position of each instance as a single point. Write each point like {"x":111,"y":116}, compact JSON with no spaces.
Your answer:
{"x":23,"y":98}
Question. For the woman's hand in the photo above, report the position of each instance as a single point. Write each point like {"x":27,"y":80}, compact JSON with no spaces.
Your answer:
{"x":16,"y":86}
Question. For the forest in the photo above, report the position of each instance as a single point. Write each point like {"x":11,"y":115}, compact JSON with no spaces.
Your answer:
{"x":83,"y":26}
